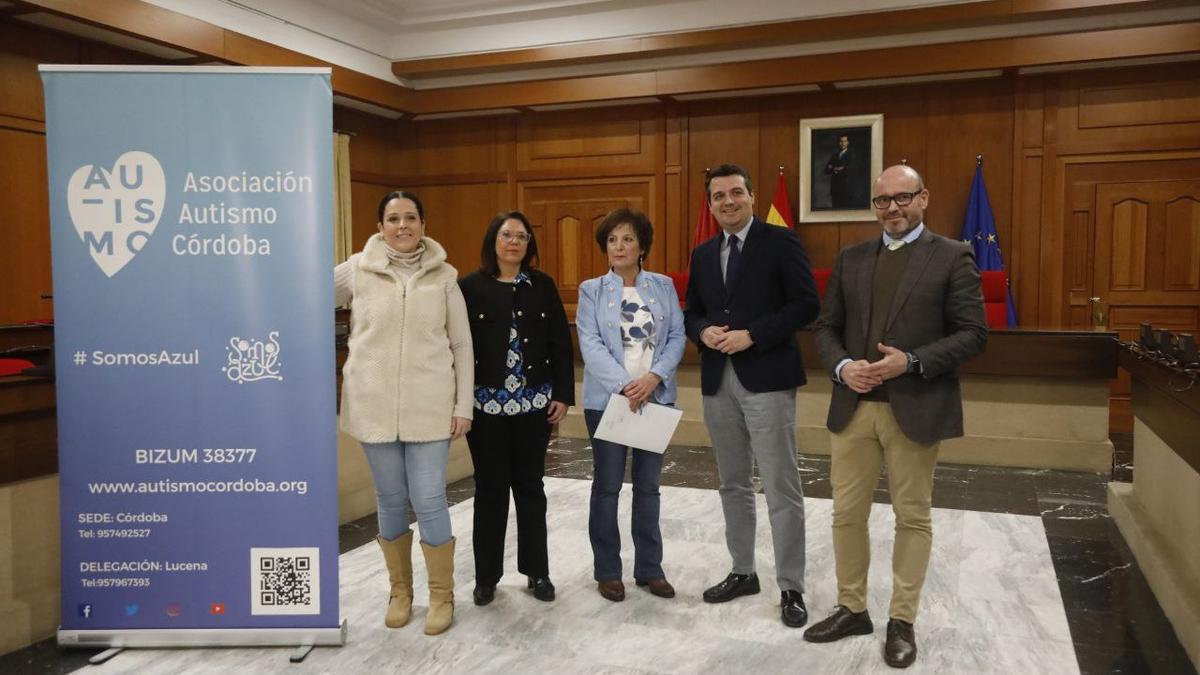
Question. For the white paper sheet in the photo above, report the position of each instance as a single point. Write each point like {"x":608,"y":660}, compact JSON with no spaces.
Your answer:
{"x":650,"y":428}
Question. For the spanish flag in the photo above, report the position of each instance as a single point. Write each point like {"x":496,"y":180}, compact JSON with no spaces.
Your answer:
{"x":781,"y":209}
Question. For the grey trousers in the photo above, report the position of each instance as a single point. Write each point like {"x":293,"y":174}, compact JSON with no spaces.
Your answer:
{"x":745,"y":428}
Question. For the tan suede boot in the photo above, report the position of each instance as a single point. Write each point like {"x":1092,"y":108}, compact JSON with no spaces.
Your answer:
{"x":439,"y":560}
{"x":397,"y":553}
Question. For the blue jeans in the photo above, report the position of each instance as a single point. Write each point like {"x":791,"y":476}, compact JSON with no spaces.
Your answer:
{"x":608,"y":463}
{"x":411,"y":471}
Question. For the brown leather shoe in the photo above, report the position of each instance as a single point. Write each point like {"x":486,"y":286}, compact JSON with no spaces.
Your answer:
{"x":900,"y":650}
{"x":611,"y":590}
{"x":660,"y":587}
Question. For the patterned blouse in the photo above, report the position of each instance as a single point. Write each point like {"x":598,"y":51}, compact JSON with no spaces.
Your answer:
{"x":637,"y":333}
{"x":514,"y":398}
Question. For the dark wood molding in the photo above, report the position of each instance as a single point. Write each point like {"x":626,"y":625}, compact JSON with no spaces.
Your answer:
{"x":980,"y":55}
{"x":147,"y":21}
{"x":150,"y":22}
{"x":421,"y":180}
{"x":870,"y":24}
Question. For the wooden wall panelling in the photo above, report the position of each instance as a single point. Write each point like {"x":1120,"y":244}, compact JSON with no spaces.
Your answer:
{"x":24,"y":189}
{"x":1130,"y":109}
{"x":1084,"y":179}
{"x":1181,"y":269}
{"x":718,"y":133}
{"x":672,"y":233}
{"x":1023,"y":259}
{"x":565,"y":214}
{"x":1079,"y":253}
{"x":779,"y":144}
{"x":457,"y":146}
{"x":659,"y":165}
{"x":364,"y":211}
{"x":970,"y":119}
{"x":25,"y":256}
{"x":1051,"y":273}
{"x":378,"y":146}
{"x":1123,"y":197}
{"x":456,"y":215}
{"x":579,"y":140}
{"x":506,"y":158}
{"x":1007,"y":52}
{"x":20,"y":84}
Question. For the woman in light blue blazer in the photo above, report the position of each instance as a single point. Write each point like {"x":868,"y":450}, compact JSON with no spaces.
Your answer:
{"x":631,"y":336}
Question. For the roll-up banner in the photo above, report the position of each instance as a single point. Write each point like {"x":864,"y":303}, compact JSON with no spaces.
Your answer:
{"x":191,"y":211}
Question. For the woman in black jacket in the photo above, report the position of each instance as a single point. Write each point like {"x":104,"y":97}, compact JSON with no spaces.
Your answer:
{"x":524,"y":383}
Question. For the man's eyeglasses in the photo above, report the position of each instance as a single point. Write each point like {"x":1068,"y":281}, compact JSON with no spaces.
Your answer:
{"x":519,"y":237}
{"x":901,"y":199}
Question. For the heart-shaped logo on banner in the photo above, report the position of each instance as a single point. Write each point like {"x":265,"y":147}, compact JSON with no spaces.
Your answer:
{"x":116,"y":211}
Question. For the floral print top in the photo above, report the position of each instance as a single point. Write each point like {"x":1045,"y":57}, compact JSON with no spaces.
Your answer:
{"x":637,"y":333}
{"x":514,"y":398}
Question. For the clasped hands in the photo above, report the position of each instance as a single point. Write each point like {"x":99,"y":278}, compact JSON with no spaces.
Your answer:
{"x":640,"y":390}
{"x":862,"y":376}
{"x":726,"y":341}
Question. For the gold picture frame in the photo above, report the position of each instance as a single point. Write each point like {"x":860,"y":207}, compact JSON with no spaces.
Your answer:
{"x":839,"y":157}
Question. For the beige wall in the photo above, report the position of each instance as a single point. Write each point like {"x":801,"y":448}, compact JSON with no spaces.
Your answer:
{"x":29,"y":562}
{"x":1159,"y":515}
{"x":1169,"y":491}
{"x":1031,"y":422}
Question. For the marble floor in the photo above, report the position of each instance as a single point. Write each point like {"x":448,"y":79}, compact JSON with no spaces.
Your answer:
{"x":1029,"y":575}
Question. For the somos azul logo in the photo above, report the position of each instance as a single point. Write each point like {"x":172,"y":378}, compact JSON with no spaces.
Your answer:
{"x":115,"y":211}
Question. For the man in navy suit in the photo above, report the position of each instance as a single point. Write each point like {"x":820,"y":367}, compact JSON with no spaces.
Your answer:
{"x":750,"y":289}
{"x":838,"y":169}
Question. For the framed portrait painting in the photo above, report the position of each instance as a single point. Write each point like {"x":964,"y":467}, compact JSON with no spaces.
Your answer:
{"x":839,"y":156}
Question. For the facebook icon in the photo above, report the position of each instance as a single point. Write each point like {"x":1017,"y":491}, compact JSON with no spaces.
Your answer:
{"x":85,"y":610}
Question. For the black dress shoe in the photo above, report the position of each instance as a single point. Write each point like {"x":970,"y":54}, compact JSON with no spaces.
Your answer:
{"x":659,"y":587}
{"x":734,"y":585}
{"x":542,"y":588}
{"x":900,"y":650}
{"x":483,"y":594}
{"x":793,"y":612}
{"x":842,"y":623}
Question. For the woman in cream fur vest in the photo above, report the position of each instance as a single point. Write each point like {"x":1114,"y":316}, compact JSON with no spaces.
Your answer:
{"x":406,"y":393}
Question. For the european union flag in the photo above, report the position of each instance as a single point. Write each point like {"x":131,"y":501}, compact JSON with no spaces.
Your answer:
{"x":979,"y":231}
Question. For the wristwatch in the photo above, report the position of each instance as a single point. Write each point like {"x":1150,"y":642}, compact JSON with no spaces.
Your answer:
{"x":914,"y":363}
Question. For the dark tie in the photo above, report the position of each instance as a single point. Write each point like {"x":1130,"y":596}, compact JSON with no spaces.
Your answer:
{"x":735,"y":258}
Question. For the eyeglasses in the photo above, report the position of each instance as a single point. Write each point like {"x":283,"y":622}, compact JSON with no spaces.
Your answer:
{"x":519,"y":237}
{"x":901,"y":199}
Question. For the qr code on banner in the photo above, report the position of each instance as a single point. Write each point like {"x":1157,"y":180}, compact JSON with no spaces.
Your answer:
{"x":285,"y":581}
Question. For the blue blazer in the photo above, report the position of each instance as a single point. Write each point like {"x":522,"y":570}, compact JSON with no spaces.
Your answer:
{"x":598,"y":322}
{"x":773,"y":296}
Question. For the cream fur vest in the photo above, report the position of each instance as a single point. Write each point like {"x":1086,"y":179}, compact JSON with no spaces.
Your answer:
{"x":410,"y":366}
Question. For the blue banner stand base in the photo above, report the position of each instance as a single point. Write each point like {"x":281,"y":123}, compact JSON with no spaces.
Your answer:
{"x":302,"y":639}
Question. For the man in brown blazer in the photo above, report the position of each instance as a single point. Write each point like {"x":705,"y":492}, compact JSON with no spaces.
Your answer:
{"x":902,"y":312}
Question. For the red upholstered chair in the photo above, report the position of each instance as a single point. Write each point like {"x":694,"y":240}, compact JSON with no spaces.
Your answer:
{"x":680,"y":280}
{"x":995,"y":298}
{"x":13,"y":366}
{"x":821,"y":275}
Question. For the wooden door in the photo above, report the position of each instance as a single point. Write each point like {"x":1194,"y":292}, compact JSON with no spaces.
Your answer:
{"x":1147,"y":259}
{"x":565,"y":215}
